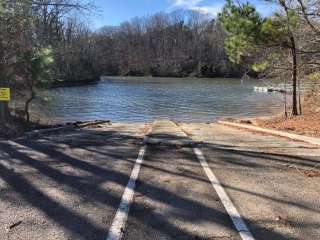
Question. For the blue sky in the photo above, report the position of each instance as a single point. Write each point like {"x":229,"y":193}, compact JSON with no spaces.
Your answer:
{"x":113,"y":12}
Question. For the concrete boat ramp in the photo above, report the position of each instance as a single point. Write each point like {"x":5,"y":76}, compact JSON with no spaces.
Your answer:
{"x":163,"y":180}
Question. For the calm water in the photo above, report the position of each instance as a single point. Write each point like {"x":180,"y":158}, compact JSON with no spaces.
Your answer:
{"x":146,"y":99}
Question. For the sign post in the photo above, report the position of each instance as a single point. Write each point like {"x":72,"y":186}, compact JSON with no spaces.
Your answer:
{"x":5,"y":95}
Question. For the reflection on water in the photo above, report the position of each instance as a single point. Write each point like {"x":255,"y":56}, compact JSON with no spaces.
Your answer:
{"x":146,"y":99}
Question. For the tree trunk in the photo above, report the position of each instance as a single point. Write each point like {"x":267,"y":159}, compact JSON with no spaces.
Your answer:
{"x":294,"y":77}
{"x":27,"y":104}
{"x":299,"y":94}
{"x":285,"y":98}
{"x":4,"y":112}
{"x":294,"y":69}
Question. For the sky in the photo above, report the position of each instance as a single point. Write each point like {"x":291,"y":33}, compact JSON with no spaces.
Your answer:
{"x":113,"y":12}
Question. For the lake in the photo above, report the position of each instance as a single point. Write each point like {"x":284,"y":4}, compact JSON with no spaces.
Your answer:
{"x":145,"y":99}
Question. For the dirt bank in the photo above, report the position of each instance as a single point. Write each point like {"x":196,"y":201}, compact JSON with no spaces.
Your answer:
{"x":306,"y":124}
{"x":16,"y":127}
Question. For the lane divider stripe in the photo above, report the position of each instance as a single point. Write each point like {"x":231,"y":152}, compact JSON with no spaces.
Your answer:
{"x":236,"y":218}
{"x":119,"y":222}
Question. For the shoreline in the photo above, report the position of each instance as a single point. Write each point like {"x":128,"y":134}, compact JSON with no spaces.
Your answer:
{"x":304,"y":125}
{"x":20,"y":128}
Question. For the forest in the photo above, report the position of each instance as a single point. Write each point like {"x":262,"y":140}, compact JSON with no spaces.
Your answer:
{"x":44,"y":43}
{"x":182,"y":43}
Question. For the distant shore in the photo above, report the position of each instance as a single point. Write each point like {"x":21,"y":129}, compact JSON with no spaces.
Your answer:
{"x":57,"y":84}
{"x":163,"y":77}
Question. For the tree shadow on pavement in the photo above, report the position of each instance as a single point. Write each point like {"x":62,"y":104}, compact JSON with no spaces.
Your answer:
{"x":100,"y":167}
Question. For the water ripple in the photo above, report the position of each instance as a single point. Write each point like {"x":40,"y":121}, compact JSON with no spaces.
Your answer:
{"x":189,"y":100}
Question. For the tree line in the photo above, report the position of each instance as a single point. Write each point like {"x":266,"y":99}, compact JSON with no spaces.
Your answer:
{"x":47,"y":42}
{"x":179,"y":44}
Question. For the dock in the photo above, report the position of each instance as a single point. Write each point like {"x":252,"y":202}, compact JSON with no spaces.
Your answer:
{"x":269,"y":89}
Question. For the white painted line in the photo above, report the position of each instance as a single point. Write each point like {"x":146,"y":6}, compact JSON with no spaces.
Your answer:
{"x":120,"y":219}
{"x":236,"y":218}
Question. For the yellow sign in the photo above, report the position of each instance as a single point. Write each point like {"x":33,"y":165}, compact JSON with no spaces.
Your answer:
{"x":5,"y":94}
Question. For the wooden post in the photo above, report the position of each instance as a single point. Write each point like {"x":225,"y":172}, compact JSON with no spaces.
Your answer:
{"x":294,"y":78}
